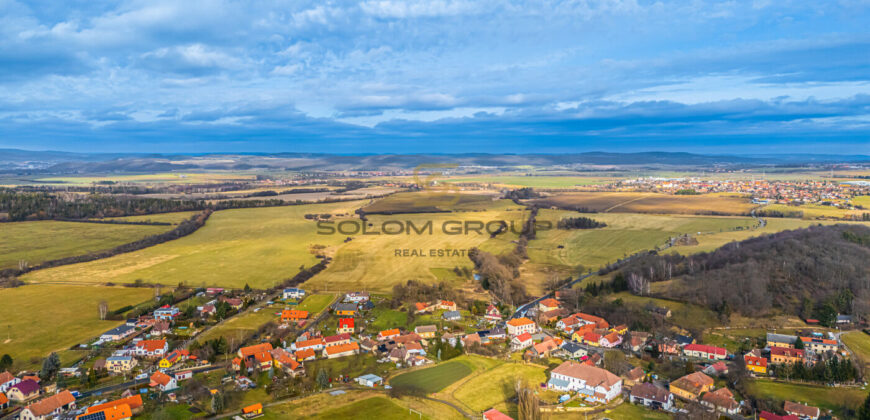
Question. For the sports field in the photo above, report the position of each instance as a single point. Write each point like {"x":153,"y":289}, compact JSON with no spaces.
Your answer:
{"x":38,"y":319}
{"x":640,"y":202}
{"x":45,"y":240}
{"x":259,"y":247}
{"x":432,"y":379}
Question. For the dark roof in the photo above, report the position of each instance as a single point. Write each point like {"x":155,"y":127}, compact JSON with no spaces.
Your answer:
{"x":27,"y":386}
{"x":345,"y":307}
{"x":684,"y":339}
{"x":119,"y":330}
{"x":571,"y":346}
{"x":649,"y":391}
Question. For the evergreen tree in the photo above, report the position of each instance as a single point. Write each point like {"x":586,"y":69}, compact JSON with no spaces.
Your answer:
{"x":217,"y":402}
{"x":864,"y":411}
{"x":5,"y":362}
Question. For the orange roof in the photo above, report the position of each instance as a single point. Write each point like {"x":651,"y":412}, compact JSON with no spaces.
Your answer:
{"x":519,"y":322}
{"x":5,"y":376}
{"x":421,"y":306}
{"x":263,"y":357}
{"x":345,"y":323}
{"x":47,"y":405}
{"x":294,"y":314}
{"x":524,"y":337}
{"x":284,"y":358}
{"x":591,"y":336}
{"x":133,"y":401}
{"x":160,"y":378}
{"x":115,"y":412}
{"x":259,"y":348}
{"x":550,"y":303}
{"x":252,"y":408}
{"x":341,"y":348}
{"x":612,"y":337}
{"x":309,"y":343}
{"x":3,"y":399}
{"x":448,"y":303}
{"x":151,"y":345}
{"x":304,"y":354}
{"x":387,"y":333}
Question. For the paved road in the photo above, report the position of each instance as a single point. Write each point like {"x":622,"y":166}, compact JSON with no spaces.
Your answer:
{"x":128,"y":384}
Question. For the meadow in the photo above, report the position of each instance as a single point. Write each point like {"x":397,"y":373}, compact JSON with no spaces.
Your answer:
{"x":259,"y":246}
{"x":432,"y":379}
{"x":534,"y":181}
{"x":237,"y":327}
{"x":496,"y":385}
{"x":39,"y":241}
{"x":430,"y":201}
{"x":859,"y":343}
{"x":828,"y":398}
{"x":158,"y":178}
{"x":38,"y":319}
{"x":817,"y":211}
{"x":640,"y":202}
{"x":173,"y":218}
{"x":314,"y":304}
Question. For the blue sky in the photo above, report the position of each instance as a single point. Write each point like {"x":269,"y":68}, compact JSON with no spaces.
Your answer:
{"x":436,"y":76}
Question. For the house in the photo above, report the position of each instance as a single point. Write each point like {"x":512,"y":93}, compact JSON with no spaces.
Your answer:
{"x":636,"y":341}
{"x":293,"y":293}
{"x":548,"y":304}
{"x":292,"y":315}
{"x":120,"y":364}
{"x":684,"y":340}
{"x":23,"y":391}
{"x":305,"y":354}
{"x":785,"y":355}
{"x":669,"y":347}
{"x":49,"y":407}
{"x":633,"y":377}
{"x":133,"y":403}
{"x":167,"y":313}
{"x":651,"y":396}
{"x":345,"y":326}
{"x":755,"y":363}
{"x":163,"y":381}
{"x":804,"y":412}
{"x":519,"y":326}
{"x":336,"y":340}
{"x":7,"y":380}
{"x":620,"y":329}
{"x":568,"y":324}
{"x":160,"y":328}
{"x":389,"y":334}
{"x":212,"y":291}
{"x":415,"y":348}
{"x":721,"y":400}
{"x":492,"y":313}
{"x":543,"y":349}
{"x":447,"y":305}
{"x":661,"y":310}
{"x":315,"y":344}
{"x":175,"y":356}
{"x":426,"y":331}
{"x":398,"y":355}
{"x":406,"y":339}
{"x":234,"y":303}
{"x":591,"y":339}
{"x":766,"y":415}
{"x":367,"y":344}
{"x":574,"y":350}
{"x":781,"y":340}
{"x":598,"y":321}
{"x":286,"y":361}
{"x":345,"y":309}
{"x":704,"y":351}
{"x":496,"y":333}
{"x":819,"y":345}
{"x":521,"y":341}
{"x":610,"y":340}
{"x":692,"y":385}
{"x":493,"y":414}
{"x":718,"y":368}
{"x":421,"y":307}
{"x":370,"y":380}
{"x":451,"y":316}
{"x":356,"y":297}
{"x":252,"y":411}
{"x":246,"y":352}
{"x":844,"y":319}
{"x":596,"y":384}
{"x":207,"y":310}
{"x":151,"y":348}
{"x":341,"y":350}
{"x":118,"y":333}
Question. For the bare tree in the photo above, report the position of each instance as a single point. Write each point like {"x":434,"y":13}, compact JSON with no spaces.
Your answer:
{"x":528,"y":406}
{"x":103,"y":308}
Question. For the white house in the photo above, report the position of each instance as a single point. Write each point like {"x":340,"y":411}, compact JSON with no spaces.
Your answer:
{"x":651,"y":396}
{"x":294,"y":293}
{"x":593,"y":383}
{"x":519,"y":326}
{"x":7,"y":380}
{"x":118,"y":333}
{"x":356,"y":297}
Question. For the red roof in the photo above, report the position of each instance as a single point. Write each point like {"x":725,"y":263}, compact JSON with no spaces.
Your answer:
{"x":524,"y":337}
{"x":788,"y":352}
{"x":345,"y":323}
{"x":703,"y":348}
{"x":134,"y":401}
{"x":493,"y":414}
{"x":550,"y":303}
{"x":151,"y":345}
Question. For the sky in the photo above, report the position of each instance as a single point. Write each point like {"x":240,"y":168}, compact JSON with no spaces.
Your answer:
{"x":442,"y":76}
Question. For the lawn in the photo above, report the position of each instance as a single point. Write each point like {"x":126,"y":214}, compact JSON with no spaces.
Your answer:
{"x":496,"y":385}
{"x":432,"y":379}
{"x":259,"y":247}
{"x":385,"y":319}
{"x":820,"y":396}
{"x":38,"y":319}
{"x":375,"y":408}
{"x":627,"y":411}
{"x":314,"y":304}
{"x":859,"y":343}
{"x":45,"y":240}
{"x":239,"y":326}
{"x":640,"y":202}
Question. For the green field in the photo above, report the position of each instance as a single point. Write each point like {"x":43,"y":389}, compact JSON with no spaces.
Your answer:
{"x":432,"y":379}
{"x":433,"y":201}
{"x":45,"y":240}
{"x":174,"y":218}
{"x":496,"y":385}
{"x":828,"y":398}
{"x":238,"y":327}
{"x":859,"y":343}
{"x":685,"y":315}
{"x":375,"y":408}
{"x":36,"y":320}
{"x":533,"y":181}
{"x":315,"y":303}
{"x":644,"y":202}
{"x":259,"y":247}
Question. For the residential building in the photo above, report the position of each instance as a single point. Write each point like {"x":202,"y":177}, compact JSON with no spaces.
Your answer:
{"x":521,"y":341}
{"x":819,"y":345}
{"x":356,"y":297}
{"x":134,"y":402}
{"x":163,"y":381}
{"x":423,"y":307}
{"x":718,"y":368}
{"x":692,"y":385}
{"x":345,"y":309}
{"x":341,"y":350}
{"x":175,"y":356}
{"x":766,"y":415}
{"x":151,"y":348}
{"x":336,"y":340}
{"x":7,"y":380}
{"x":598,"y":321}
{"x":568,"y":324}
{"x":595,"y":384}
{"x":426,"y":331}
{"x":651,"y":396}
{"x":118,"y":333}
{"x":246,"y":352}
{"x":115,"y":412}
{"x":212,"y":291}
{"x":23,"y":391}
{"x":167,"y":313}
{"x":4,"y":401}
{"x":844,"y":319}
{"x":287,"y":362}
{"x":780,"y":355}
{"x":49,"y":407}
{"x":388,"y":334}
{"x":293,"y":293}
{"x":721,"y":400}
{"x":633,"y":377}
{"x":591,"y":339}
{"x":345,"y":326}
{"x":252,"y":411}
{"x":293,"y":315}
{"x":755,"y":363}
{"x":492,"y":313}
{"x":315,"y":344}
{"x":519,"y":326}
{"x":781,"y":340}
{"x":543,"y":349}
{"x":574,"y":350}
{"x":610,"y":340}
{"x":120,"y":364}
{"x":451,"y":316}
{"x":447,"y":305}
{"x":804,"y":412}
{"x":548,"y":304}
{"x":704,"y":351}
{"x":305,"y":354}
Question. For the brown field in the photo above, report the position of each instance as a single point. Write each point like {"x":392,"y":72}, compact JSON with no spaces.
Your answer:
{"x":639,"y":202}
{"x":431,"y":202}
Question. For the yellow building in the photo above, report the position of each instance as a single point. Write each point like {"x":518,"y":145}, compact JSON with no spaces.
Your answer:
{"x":692,"y":386}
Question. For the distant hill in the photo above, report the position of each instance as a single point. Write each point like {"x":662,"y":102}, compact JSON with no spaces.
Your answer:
{"x":813,"y":272}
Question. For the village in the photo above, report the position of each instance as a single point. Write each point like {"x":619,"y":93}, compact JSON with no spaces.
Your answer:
{"x":593,"y":365}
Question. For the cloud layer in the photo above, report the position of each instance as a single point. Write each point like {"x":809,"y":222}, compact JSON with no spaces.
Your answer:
{"x":436,"y":76}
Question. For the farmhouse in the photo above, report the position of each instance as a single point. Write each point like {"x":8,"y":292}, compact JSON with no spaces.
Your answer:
{"x":692,"y":385}
{"x":704,"y":351}
{"x":118,"y":333}
{"x":595,"y":384}
{"x":49,"y":407}
{"x":518,"y":326}
{"x":786,"y":355}
{"x":651,"y":396}
{"x":120,"y":364}
{"x":801,"y":410}
{"x":293,"y":293}
{"x":342,"y":350}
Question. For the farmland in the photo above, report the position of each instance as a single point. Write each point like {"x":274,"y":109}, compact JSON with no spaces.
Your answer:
{"x":39,"y":241}
{"x":158,"y":178}
{"x":36,"y":320}
{"x":259,"y":247}
{"x":432,"y":379}
{"x":430,"y":202}
{"x":536,"y":181}
{"x":816,"y":211}
{"x":639,"y":202}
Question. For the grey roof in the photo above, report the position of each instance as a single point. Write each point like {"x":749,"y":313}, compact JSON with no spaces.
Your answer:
{"x":345,"y":307}
{"x":781,"y":338}
{"x":451,"y":314}
{"x":371,"y":377}
{"x":571,"y":347}
{"x":560,"y":383}
{"x":119,"y":330}
{"x":844,"y":318}
{"x":118,"y":358}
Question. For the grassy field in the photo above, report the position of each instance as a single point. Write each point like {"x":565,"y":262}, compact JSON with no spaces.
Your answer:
{"x":432,"y":379}
{"x":816,"y":211}
{"x":159,"y":178}
{"x":376,"y":408}
{"x":829,"y":398}
{"x":859,"y":343}
{"x":45,"y":240}
{"x":639,"y":202}
{"x":685,"y":315}
{"x":431,"y":201}
{"x":315,"y":303}
{"x":544,"y":182}
{"x":259,"y":247}
{"x":174,"y":218}
{"x":36,"y":320}
{"x":496,"y":385}
{"x":239,"y":326}
{"x":371,"y":261}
